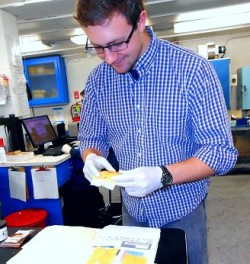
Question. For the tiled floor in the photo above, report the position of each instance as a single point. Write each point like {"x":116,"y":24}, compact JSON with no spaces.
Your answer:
{"x":228,"y":212}
{"x":228,"y":208}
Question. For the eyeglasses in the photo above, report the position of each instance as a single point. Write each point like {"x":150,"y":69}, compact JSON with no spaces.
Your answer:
{"x":112,"y":47}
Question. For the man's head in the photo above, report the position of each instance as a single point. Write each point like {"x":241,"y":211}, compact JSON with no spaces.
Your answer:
{"x":115,"y":30}
{"x":92,"y":13}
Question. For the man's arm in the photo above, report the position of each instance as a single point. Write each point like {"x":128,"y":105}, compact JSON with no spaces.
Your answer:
{"x":189,"y":170}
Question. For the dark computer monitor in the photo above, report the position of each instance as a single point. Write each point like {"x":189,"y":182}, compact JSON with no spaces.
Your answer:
{"x":39,"y":130}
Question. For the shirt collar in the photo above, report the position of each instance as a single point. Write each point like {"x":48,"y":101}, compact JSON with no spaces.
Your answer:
{"x":145,"y":62}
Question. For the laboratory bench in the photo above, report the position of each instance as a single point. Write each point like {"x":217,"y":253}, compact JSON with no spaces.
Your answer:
{"x":172,"y":248}
{"x":63,"y":167}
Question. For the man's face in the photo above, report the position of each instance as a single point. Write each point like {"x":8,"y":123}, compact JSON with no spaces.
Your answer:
{"x":114,"y":31}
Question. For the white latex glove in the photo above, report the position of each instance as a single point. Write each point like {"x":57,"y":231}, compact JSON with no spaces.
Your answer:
{"x":94,"y":164}
{"x":140,"y":181}
{"x":66,"y":148}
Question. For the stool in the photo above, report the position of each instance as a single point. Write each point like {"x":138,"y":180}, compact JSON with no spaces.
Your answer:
{"x":111,"y":214}
{"x":33,"y":217}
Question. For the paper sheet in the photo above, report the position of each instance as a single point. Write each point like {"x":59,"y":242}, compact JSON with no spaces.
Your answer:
{"x":17,"y":184}
{"x":132,"y":244}
{"x":64,"y":245}
{"x":45,"y":184}
{"x":58,"y":115}
{"x":57,"y":244}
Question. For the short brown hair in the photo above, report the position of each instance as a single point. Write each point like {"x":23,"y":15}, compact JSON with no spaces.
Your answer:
{"x":95,"y":12}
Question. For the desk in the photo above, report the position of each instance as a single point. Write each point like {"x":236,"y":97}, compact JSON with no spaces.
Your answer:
{"x":171,"y":249}
{"x":62,"y":164}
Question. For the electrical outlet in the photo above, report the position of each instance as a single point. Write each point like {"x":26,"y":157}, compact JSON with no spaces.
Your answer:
{"x":233,"y":79}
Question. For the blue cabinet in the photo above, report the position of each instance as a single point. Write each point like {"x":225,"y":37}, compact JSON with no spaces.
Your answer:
{"x":243,"y":75}
{"x":47,"y":80}
{"x":63,"y":165}
{"x":222,"y":69}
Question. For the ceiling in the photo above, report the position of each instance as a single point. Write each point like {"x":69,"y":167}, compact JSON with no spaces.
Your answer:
{"x":53,"y":23}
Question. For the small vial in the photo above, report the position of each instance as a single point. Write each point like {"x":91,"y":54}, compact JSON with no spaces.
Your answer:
{"x":2,"y":152}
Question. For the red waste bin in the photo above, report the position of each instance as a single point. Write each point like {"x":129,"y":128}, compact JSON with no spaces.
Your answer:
{"x":32,"y":217}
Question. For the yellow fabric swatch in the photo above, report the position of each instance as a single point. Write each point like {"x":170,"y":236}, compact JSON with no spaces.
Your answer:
{"x":102,"y":255}
{"x":131,"y":259}
{"x":106,"y":175}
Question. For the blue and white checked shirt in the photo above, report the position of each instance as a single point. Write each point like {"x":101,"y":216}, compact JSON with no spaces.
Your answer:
{"x":174,"y":111}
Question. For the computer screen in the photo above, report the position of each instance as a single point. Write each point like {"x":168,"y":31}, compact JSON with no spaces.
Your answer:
{"x":39,"y":130}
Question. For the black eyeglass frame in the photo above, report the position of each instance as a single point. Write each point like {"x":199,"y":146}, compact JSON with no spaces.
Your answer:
{"x":93,"y":49}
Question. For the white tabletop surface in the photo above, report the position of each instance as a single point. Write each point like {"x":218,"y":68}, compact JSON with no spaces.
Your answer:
{"x":38,"y":160}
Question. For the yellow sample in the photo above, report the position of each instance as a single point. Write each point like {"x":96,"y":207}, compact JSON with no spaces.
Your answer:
{"x":106,"y":175}
{"x":102,"y":255}
{"x":131,"y":259}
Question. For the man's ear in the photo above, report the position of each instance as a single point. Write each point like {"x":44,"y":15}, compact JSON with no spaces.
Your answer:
{"x":142,"y":21}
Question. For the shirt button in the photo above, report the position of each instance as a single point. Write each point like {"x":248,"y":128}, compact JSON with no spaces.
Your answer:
{"x":138,"y":106}
{"x":139,"y":154}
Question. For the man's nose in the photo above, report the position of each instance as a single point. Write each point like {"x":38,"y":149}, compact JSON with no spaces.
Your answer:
{"x":109,"y":56}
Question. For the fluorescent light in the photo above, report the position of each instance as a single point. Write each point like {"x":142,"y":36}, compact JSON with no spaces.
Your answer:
{"x":212,"y":19}
{"x":79,"y":40}
{"x":214,"y":12}
{"x":153,"y":2}
{"x":78,"y":31}
{"x":36,"y":1}
{"x":33,"y":46}
{"x":16,"y":3}
{"x":26,"y":2}
{"x":212,"y":23}
{"x":28,"y":38}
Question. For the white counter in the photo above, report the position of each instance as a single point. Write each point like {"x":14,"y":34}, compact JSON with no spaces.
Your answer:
{"x":39,"y":160}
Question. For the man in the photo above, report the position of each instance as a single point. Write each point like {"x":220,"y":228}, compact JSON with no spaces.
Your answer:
{"x":161,"y":108}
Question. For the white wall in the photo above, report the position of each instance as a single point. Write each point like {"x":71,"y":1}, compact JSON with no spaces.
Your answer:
{"x":11,"y":65}
{"x":78,"y":69}
{"x":238,"y":50}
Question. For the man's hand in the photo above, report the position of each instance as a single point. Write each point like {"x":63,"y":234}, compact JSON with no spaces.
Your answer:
{"x":140,"y":181}
{"x":66,"y":148}
{"x":94,"y":164}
